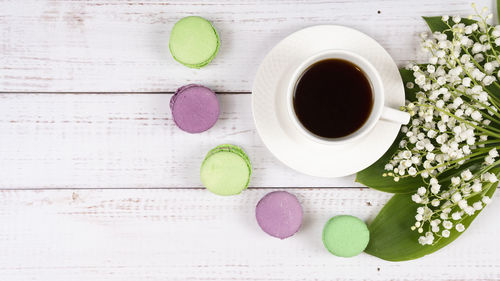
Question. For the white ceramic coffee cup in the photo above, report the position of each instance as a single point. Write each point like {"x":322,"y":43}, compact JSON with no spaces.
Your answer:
{"x":379,"y":110}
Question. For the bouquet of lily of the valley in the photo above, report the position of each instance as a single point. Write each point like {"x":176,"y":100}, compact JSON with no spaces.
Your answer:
{"x":444,"y":166}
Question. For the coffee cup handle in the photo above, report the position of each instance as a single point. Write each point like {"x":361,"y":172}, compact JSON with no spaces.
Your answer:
{"x":395,"y":115}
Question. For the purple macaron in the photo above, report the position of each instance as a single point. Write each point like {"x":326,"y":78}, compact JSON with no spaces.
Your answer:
{"x":279,"y":214}
{"x":195,"y":108}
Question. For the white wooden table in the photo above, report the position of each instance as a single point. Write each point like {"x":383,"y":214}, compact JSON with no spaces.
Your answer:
{"x":98,"y":184}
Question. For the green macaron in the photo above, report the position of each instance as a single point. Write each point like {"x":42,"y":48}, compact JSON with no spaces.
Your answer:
{"x":226,"y":170}
{"x":194,"y":42}
{"x":345,"y":236}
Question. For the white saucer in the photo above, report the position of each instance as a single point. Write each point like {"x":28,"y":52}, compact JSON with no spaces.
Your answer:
{"x":278,"y":132}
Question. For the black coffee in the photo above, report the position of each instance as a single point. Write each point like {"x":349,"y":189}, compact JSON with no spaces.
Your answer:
{"x":333,"y":98}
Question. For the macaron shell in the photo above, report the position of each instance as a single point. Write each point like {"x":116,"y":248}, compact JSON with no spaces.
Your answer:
{"x":195,"y":108}
{"x":226,"y":170}
{"x":279,"y":214}
{"x":345,"y":236}
{"x":194,"y":42}
{"x":232,"y":148}
{"x":181,"y":89}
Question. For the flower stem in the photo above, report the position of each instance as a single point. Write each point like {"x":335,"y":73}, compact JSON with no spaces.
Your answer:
{"x":462,"y":120}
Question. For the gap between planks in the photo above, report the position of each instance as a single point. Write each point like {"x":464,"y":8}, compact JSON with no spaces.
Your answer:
{"x":182,"y":188}
{"x":111,"y":93}
{"x":194,"y":188}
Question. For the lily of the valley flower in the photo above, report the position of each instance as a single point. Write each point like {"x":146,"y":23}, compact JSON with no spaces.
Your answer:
{"x":455,"y":121}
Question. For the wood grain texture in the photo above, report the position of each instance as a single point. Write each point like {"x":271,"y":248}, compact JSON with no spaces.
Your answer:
{"x":125,"y":140}
{"x":122,"y":46}
{"x":56,"y":140}
{"x":194,"y":235}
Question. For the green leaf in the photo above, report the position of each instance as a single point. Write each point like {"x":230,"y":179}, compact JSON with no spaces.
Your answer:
{"x":437,"y":24}
{"x":391,"y":237}
{"x":494,"y":90}
{"x":372,"y":176}
{"x":498,"y":11}
{"x":407,"y":76}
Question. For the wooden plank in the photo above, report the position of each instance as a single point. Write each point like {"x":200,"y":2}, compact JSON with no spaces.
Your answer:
{"x":122,"y":46}
{"x":194,"y":235}
{"x":124,"y":140}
